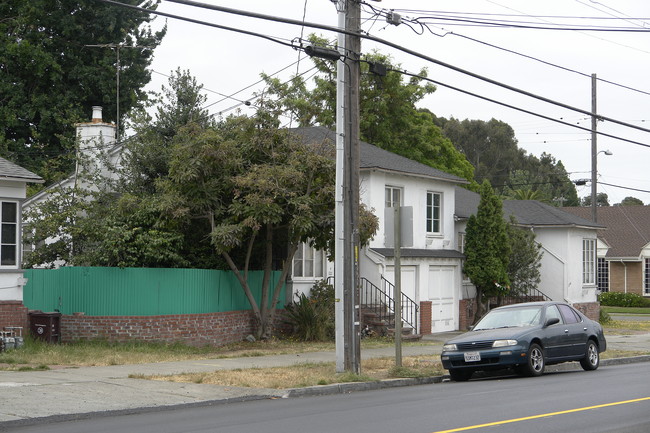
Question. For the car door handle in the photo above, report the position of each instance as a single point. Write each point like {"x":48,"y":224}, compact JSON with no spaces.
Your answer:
{"x":584,"y":329}
{"x":566,"y":331}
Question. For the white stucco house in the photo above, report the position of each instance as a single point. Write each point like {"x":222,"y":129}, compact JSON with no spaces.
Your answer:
{"x":13,"y":190}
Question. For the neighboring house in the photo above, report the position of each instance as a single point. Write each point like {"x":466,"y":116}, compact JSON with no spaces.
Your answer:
{"x":624,"y":247}
{"x":95,"y":145}
{"x":13,"y":190}
{"x":569,"y":243}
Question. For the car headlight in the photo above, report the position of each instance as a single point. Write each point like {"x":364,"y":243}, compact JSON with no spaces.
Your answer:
{"x":449,"y":348}
{"x":504,"y":343}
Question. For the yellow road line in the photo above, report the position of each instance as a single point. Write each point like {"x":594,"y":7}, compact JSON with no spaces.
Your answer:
{"x":509,"y":421}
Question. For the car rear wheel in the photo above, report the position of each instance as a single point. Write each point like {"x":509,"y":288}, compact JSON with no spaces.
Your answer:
{"x":535,"y":362}
{"x":460,"y":375}
{"x":592,"y":357}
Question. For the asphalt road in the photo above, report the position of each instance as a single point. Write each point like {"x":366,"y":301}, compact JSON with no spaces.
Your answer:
{"x":611,"y":399}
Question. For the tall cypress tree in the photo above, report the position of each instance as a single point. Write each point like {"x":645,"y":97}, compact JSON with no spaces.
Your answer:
{"x":487,"y":248}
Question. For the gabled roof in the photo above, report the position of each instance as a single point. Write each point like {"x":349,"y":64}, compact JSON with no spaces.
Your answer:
{"x":527,"y":212}
{"x":11,"y":171}
{"x":373,"y":157}
{"x":628,"y":228}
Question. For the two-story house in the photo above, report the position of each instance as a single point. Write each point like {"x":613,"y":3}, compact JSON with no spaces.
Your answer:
{"x":430,"y":262}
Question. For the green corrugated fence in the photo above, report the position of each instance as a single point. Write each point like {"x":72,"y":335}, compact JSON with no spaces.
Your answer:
{"x":139,"y":291}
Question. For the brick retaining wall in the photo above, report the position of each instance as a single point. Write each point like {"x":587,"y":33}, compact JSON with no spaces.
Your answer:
{"x":13,"y":313}
{"x":194,"y":329}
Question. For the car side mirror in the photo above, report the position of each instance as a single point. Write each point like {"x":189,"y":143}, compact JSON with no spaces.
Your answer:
{"x":551,"y":321}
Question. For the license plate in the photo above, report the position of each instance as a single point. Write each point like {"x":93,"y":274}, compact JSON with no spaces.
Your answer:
{"x":472,"y":356}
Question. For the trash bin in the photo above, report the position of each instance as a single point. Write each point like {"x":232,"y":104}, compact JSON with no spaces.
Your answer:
{"x":45,"y":326}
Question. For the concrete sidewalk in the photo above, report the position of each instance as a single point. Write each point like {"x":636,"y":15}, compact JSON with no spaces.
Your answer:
{"x":70,"y":393}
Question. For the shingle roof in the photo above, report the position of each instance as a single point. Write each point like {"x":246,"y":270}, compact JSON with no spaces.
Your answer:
{"x":628,"y":228}
{"x":373,"y":157}
{"x":9,"y":170}
{"x":527,"y":212}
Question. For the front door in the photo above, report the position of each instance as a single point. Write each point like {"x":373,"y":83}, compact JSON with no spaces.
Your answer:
{"x":442,"y":283}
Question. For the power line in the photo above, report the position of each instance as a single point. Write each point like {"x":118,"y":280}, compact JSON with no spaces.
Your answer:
{"x":624,"y":187}
{"x":523,"y":110}
{"x":389,"y":44}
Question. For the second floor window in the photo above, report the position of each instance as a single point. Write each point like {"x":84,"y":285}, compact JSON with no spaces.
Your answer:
{"x":588,"y":261}
{"x":433,"y":212}
{"x":393,"y":196}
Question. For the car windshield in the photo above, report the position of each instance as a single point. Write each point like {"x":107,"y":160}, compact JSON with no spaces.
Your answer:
{"x":510,"y":317}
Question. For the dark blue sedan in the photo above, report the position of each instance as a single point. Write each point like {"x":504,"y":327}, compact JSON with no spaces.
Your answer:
{"x":526,"y":337}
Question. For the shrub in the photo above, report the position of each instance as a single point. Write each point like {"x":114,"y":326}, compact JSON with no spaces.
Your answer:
{"x":620,"y":299}
{"x":312,"y":317}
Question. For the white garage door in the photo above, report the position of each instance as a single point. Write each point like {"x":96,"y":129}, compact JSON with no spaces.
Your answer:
{"x":441,"y":295}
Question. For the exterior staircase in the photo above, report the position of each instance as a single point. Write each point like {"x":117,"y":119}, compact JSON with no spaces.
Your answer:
{"x":377,"y":314}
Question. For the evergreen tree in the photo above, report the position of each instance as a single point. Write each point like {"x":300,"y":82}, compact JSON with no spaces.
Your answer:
{"x":50,"y":78}
{"x":487,"y":249}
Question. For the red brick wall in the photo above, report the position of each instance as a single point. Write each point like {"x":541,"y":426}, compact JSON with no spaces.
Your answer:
{"x":589,"y":309}
{"x":194,"y":329}
{"x":425,"y":317}
{"x":13,"y":313}
{"x":466,"y":313}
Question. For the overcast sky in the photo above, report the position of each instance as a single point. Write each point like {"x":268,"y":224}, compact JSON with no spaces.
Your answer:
{"x":226,"y":62}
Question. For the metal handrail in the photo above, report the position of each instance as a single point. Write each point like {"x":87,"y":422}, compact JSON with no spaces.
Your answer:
{"x":380,"y":302}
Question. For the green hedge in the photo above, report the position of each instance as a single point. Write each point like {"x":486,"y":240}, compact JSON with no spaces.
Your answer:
{"x":620,"y":299}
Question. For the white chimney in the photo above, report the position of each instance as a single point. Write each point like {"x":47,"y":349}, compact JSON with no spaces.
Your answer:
{"x":97,"y":114}
{"x":94,"y":137}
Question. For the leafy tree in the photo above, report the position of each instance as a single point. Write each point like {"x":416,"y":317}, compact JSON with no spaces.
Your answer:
{"x":487,"y":249}
{"x":389,"y":117}
{"x":50,"y":78}
{"x":252,"y":181}
{"x":631,"y":201}
{"x":602,"y":199}
{"x":117,"y":220}
{"x":491,"y":147}
{"x":525,"y":258}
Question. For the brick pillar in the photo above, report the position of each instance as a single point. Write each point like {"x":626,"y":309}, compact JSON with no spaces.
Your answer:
{"x":425,"y":317}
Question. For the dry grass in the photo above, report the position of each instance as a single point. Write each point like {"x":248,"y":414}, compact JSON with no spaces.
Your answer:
{"x":310,"y":374}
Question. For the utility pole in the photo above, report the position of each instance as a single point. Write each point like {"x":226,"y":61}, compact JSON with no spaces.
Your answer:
{"x":351,"y":214}
{"x":339,"y":230}
{"x":398,"y":285}
{"x":594,"y":150}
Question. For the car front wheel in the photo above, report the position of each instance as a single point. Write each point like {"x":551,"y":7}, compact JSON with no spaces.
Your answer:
{"x":535,"y":364}
{"x":592,"y":357}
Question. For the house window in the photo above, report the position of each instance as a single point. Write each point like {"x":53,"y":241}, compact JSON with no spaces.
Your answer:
{"x":433,"y":212}
{"x":9,"y":234}
{"x":588,"y":261}
{"x":308,"y":262}
{"x":393,"y":196}
{"x":646,"y":286}
{"x":603,"y":275}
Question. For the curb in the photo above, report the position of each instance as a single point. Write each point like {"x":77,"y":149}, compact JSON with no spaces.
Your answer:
{"x":313,"y":391}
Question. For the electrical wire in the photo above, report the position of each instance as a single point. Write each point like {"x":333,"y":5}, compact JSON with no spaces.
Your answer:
{"x":392,"y":45}
{"x":523,"y":110}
